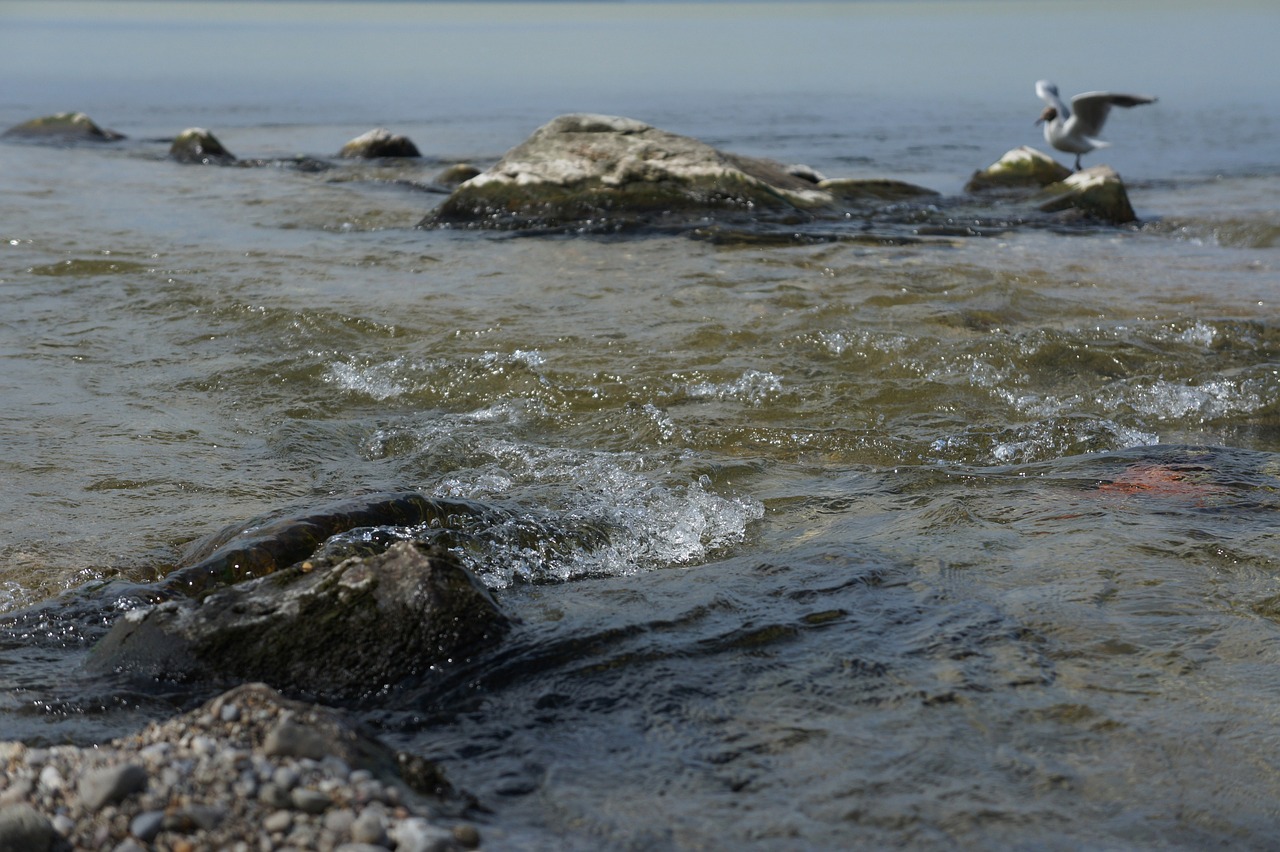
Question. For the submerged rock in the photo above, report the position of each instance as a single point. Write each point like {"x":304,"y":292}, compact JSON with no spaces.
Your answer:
{"x":62,"y":127}
{"x":341,"y":630}
{"x":379,"y":142}
{"x":606,"y":173}
{"x":876,"y":191}
{"x":1020,"y":168}
{"x":198,"y":146}
{"x":1096,"y":192}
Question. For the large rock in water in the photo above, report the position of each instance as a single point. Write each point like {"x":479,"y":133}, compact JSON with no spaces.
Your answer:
{"x":379,"y":142}
{"x":1096,"y":192}
{"x":1020,"y":168}
{"x":197,"y":146}
{"x":62,"y":127}
{"x":338,"y":631}
{"x":603,"y":173}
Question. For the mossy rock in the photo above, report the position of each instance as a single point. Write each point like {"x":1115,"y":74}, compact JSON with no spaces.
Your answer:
{"x":197,"y":146}
{"x":457,"y":174}
{"x":875,"y":191}
{"x":1023,"y":167}
{"x":62,"y":127}
{"x":1097,"y":192}
{"x":377,"y":143}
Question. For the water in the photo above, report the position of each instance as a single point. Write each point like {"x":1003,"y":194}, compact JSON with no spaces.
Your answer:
{"x":962,"y":543}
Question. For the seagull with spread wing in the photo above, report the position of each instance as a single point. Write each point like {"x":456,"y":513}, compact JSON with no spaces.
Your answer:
{"x":1075,"y":129}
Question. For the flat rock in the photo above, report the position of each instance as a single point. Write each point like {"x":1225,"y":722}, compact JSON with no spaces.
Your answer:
{"x":341,"y":631}
{"x":62,"y":127}
{"x":599,"y":173}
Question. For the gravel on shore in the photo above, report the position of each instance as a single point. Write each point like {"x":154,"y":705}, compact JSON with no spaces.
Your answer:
{"x":249,"y":771}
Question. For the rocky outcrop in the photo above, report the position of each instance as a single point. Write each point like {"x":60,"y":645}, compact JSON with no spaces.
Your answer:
{"x":197,"y":146}
{"x":378,"y":142}
{"x":63,"y":127}
{"x":339,"y":631}
{"x":1096,"y":192}
{"x":603,"y":173}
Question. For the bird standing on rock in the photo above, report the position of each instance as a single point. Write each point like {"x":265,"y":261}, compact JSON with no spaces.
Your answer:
{"x":1075,"y":129}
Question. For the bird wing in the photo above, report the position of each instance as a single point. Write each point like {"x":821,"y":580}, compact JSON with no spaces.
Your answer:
{"x":1091,"y":108}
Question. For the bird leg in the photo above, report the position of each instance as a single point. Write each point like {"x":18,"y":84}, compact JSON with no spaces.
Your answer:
{"x":1077,"y":162}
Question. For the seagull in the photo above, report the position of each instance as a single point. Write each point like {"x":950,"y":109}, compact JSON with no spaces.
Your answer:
{"x":1075,"y":129}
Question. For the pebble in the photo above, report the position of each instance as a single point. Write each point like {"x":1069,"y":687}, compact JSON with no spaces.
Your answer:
{"x":23,"y":827}
{"x":109,"y":785}
{"x":204,"y":781}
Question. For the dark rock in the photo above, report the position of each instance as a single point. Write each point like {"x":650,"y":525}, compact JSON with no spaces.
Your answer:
{"x":146,"y":825}
{"x":23,"y":827}
{"x":106,"y":786}
{"x":197,"y":146}
{"x":379,"y":142}
{"x":876,"y":191}
{"x":290,"y":739}
{"x":604,"y":173}
{"x":1021,"y":168}
{"x":1097,"y":192}
{"x":457,"y":174}
{"x":340,"y":630}
{"x":310,"y":801}
{"x":61,"y":128}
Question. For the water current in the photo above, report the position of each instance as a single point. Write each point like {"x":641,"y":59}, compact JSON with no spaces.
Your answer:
{"x":959,"y":541}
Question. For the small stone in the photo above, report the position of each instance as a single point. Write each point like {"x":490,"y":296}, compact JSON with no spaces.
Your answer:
{"x":467,"y":835}
{"x":273,"y":796}
{"x":369,"y":827}
{"x":229,"y":712}
{"x":285,"y":777}
{"x":23,"y":827}
{"x":278,"y":822}
{"x":128,"y":845}
{"x":417,"y":835}
{"x":309,"y":801}
{"x":145,"y":826}
{"x":339,"y":821}
{"x":290,"y":739}
{"x":63,"y":824}
{"x":51,"y":779}
{"x":112,"y":784}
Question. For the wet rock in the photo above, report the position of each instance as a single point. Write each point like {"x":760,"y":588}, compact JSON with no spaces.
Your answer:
{"x":109,"y":785}
{"x":1023,"y":167}
{"x":379,"y":142}
{"x":340,"y":630}
{"x":198,"y":146}
{"x":63,"y":127}
{"x":877,"y":191}
{"x":146,"y":825}
{"x":23,"y":827}
{"x":603,"y":173}
{"x":456,"y":174}
{"x":1097,"y":192}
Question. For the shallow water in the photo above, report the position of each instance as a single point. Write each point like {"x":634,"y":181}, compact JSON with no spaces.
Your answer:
{"x":962,"y":542}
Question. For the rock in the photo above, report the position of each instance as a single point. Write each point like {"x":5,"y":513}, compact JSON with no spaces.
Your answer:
{"x":197,"y":146}
{"x":456,"y":174}
{"x":278,"y":822}
{"x":1096,"y":192}
{"x":1023,"y":167}
{"x":309,"y":801}
{"x":874,"y":191}
{"x":23,"y":827}
{"x":62,"y":127}
{"x":289,"y":739}
{"x":418,"y":835}
{"x":344,"y":631}
{"x":379,"y":142}
{"x":146,"y":825}
{"x":604,"y":173}
{"x":100,"y":787}
{"x":369,"y":827}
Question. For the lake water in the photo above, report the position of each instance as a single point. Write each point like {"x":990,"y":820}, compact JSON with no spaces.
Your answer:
{"x":965,"y":543}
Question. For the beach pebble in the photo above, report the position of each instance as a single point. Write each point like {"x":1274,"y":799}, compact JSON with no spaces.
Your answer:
{"x":417,"y":835}
{"x":339,"y":821}
{"x":309,"y":801}
{"x":51,"y":779}
{"x":369,"y":827}
{"x":112,"y":784}
{"x":289,"y":739}
{"x":146,"y":825}
{"x":278,"y":822}
{"x":23,"y":827}
{"x":230,"y":712}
